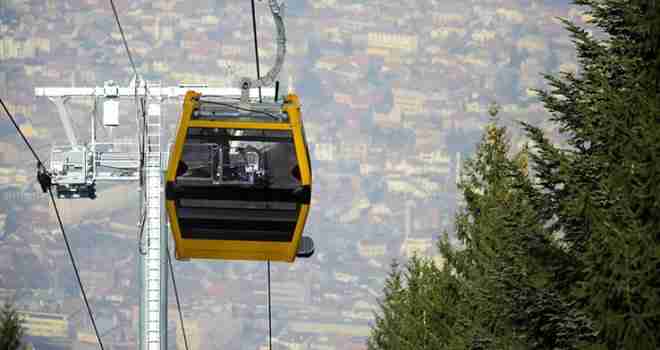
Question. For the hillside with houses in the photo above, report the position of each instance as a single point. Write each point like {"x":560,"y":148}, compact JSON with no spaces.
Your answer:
{"x":395,"y":95}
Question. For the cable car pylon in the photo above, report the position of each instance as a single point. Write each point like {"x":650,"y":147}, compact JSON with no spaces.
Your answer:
{"x":275,"y":177}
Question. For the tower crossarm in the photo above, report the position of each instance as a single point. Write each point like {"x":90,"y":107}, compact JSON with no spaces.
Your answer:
{"x":167,"y":92}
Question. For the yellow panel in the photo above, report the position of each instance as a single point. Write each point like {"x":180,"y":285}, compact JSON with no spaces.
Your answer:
{"x":176,"y":231}
{"x":301,"y":155}
{"x":236,"y":250}
{"x":292,"y":108}
{"x":182,"y":130}
{"x":231,"y":250}
{"x":222,"y":249}
{"x":297,"y":233}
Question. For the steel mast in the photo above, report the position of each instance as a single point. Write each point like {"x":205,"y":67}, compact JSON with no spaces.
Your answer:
{"x":77,"y":167}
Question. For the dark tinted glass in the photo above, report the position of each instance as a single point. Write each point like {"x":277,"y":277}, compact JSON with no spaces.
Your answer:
{"x":237,"y":185}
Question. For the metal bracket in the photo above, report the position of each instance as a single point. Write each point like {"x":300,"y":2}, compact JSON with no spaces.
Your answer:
{"x":306,"y":247}
{"x":245,"y":90}
{"x":44,"y":179}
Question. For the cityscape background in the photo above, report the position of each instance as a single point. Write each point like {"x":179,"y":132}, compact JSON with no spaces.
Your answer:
{"x":395,"y":96}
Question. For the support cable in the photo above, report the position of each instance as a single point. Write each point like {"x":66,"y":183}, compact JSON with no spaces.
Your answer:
{"x":246,"y":83}
{"x":176,"y":295}
{"x":256,"y":58}
{"x":45,"y":182}
{"x":270,"y":325}
{"x":141,"y":249}
{"x":111,"y":330}
{"x":123,"y":38}
{"x":142,"y":139}
{"x":256,"y":46}
{"x":130,"y":56}
{"x":75,"y":268}
{"x":20,"y":132}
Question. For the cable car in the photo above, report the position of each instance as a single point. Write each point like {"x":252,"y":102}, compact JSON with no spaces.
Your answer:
{"x":238,"y":183}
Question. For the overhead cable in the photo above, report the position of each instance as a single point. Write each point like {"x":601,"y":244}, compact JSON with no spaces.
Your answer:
{"x":256,"y":46}
{"x":270,"y":325}
{"x":256,"y":58}
{"x":20,"y":132}
{"x":176,"y":295}
{"x":75,"y":268}
{"x":141,"y":137}
{"x":123,"y":38}
{"x":45,"y":181}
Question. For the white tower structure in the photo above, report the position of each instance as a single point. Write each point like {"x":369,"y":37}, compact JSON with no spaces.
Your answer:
{"x":77,"y":167}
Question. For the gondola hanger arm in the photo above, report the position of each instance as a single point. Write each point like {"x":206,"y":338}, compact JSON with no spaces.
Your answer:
{"x":246,"y":83}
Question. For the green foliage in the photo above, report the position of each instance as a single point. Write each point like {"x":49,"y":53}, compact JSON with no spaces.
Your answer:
{"x":567,"y":257}
{"x":604,"y":190}
{"x":11,"y":329}
{"x":510,"y":256}
{"x":413,"y":314}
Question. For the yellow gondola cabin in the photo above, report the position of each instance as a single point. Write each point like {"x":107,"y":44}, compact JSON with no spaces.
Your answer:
{"x":238,"y":183}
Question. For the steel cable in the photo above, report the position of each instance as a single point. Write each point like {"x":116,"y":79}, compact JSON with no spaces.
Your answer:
{"x":256,"y":46}
{"x":123,"y":38}
{"x":256,"y":57}
{"x":176,"y":295}
{"x":270,"y":325}
{"x":75,"y":268}
{"x":59,"y":220}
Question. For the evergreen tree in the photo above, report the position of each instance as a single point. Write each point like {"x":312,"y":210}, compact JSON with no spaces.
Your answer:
{"x":388,"y":325}
{"x":497,"y":290}
{"x":11,"y":329}
{"x":414,"y":315}
{"x":508,"y":256}
{"x":604,"y":190}
{"x":566,"y":256}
